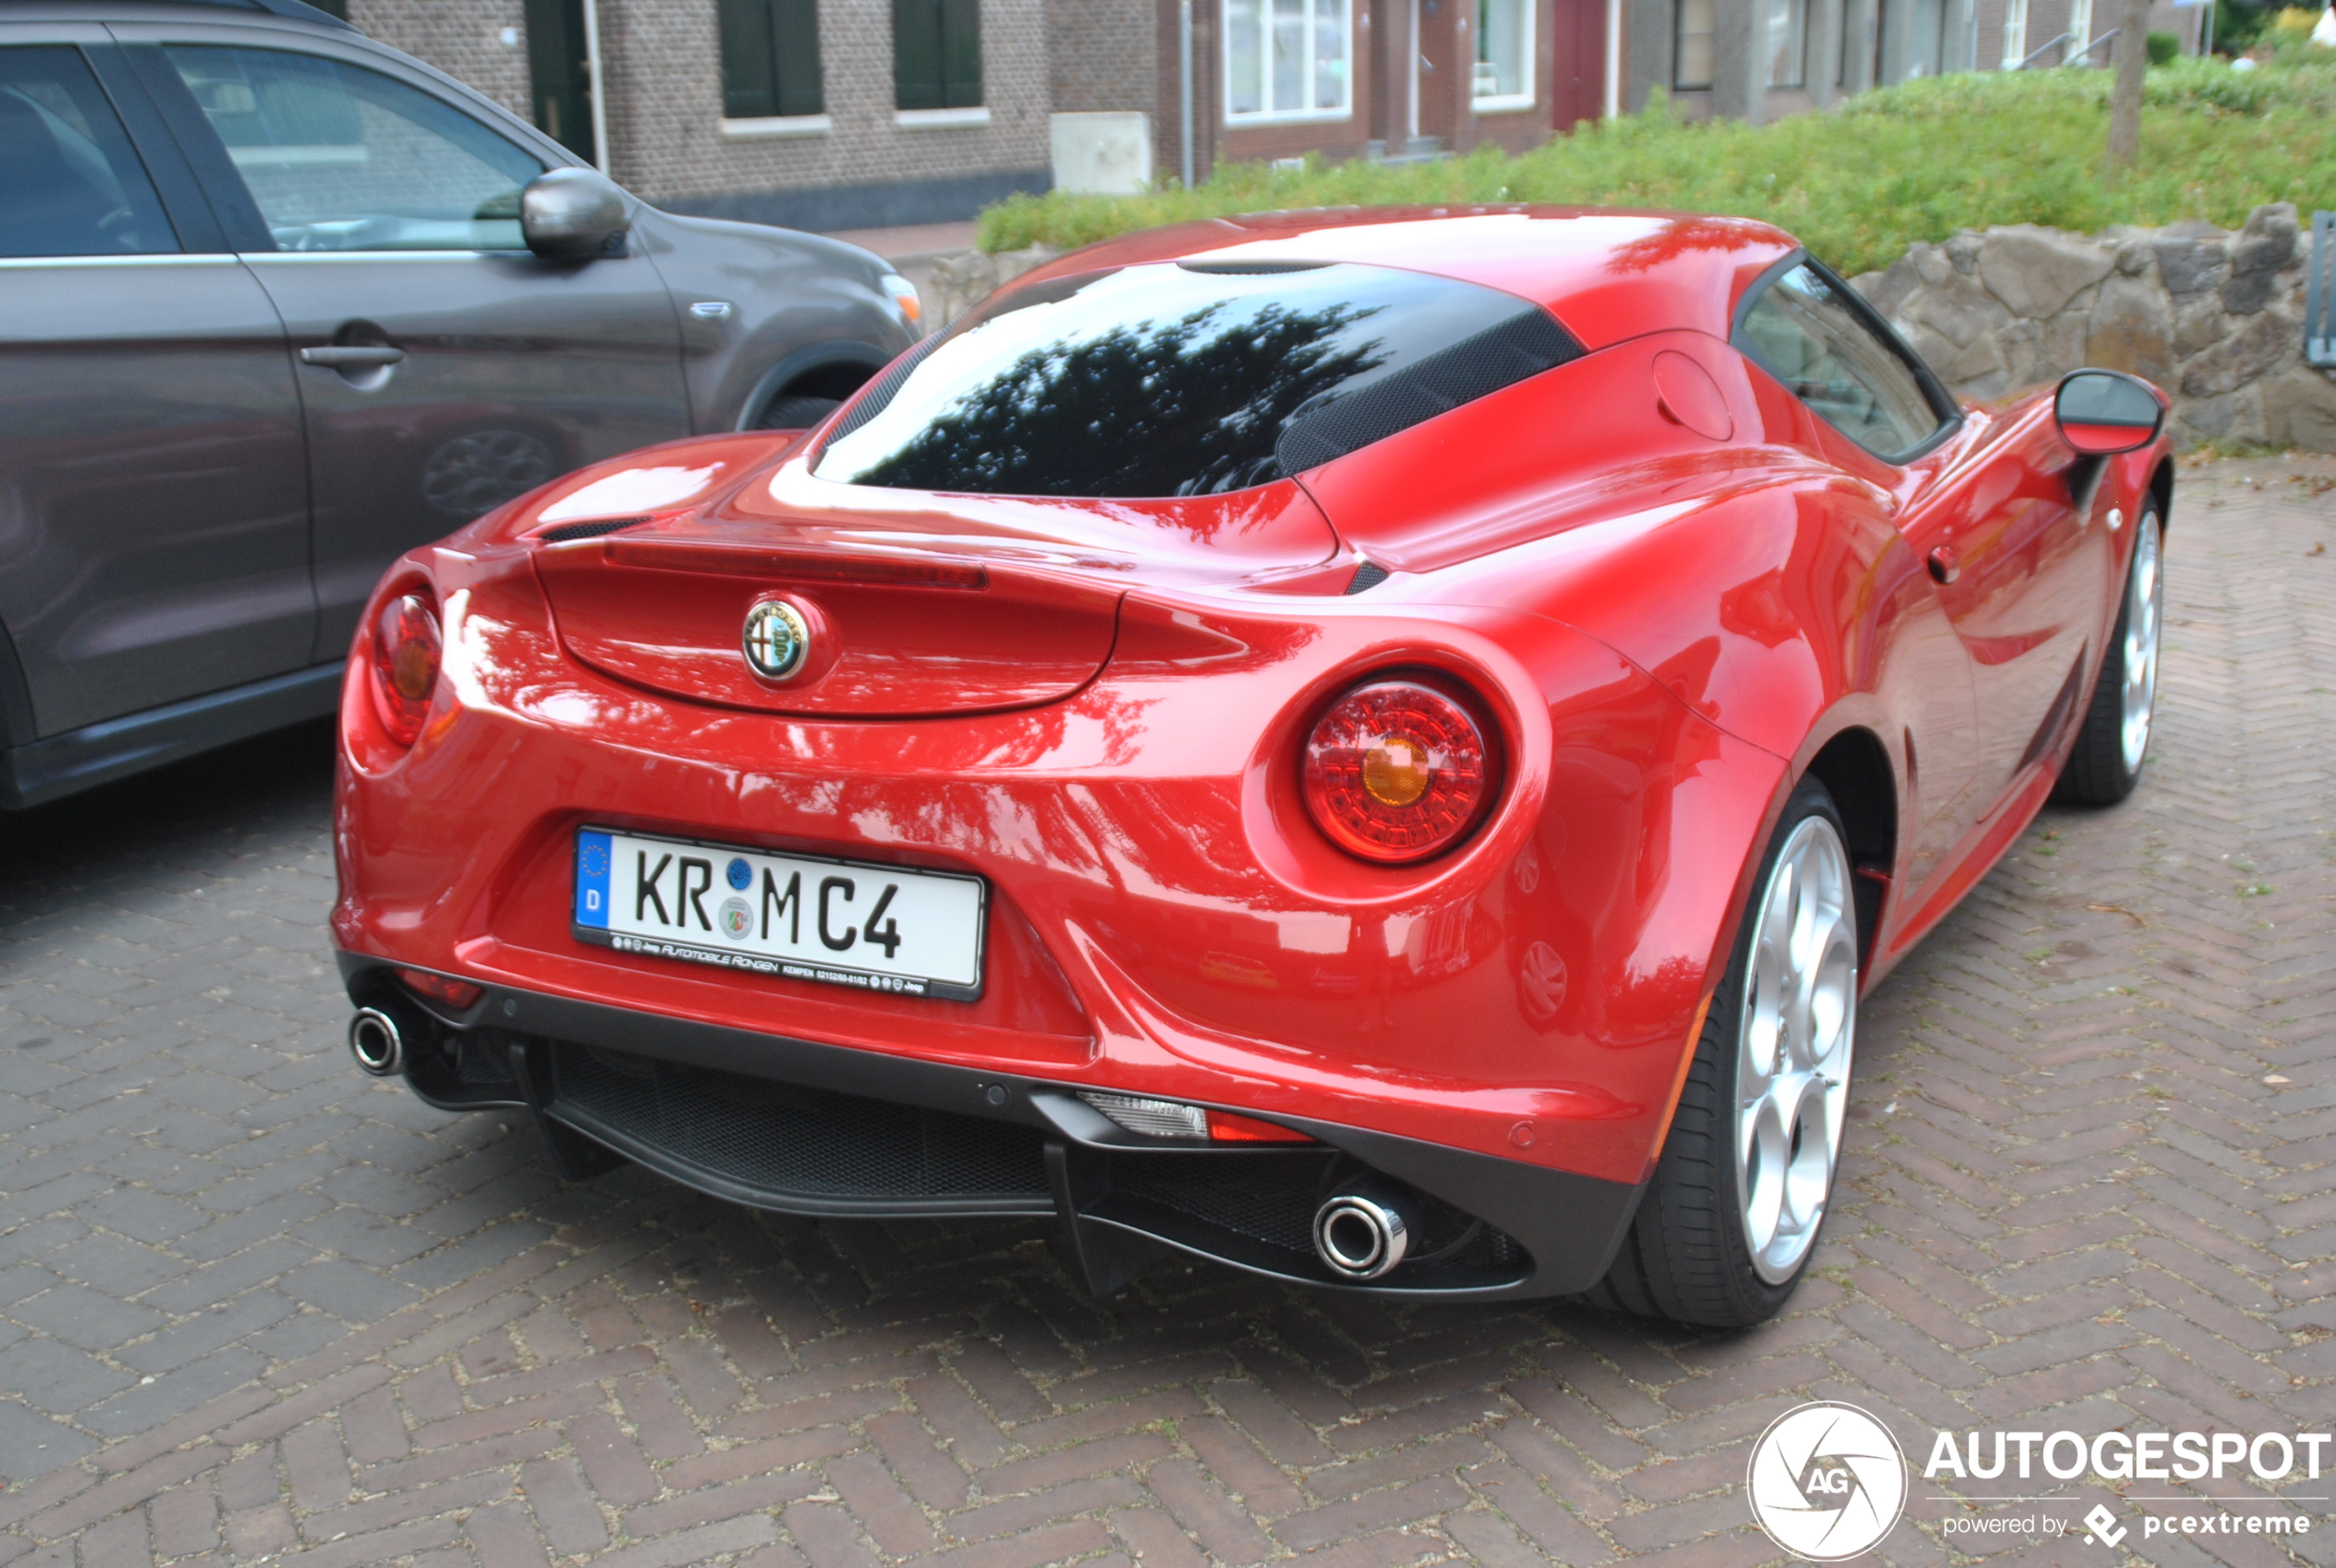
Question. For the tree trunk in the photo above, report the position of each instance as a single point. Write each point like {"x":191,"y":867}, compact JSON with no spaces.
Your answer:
{"x":2124,"y":98}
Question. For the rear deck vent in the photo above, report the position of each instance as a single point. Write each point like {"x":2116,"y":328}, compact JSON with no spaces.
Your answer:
{"x":887,"y":386}
{"x":592,"y":529}
{"x":1249,"y":268}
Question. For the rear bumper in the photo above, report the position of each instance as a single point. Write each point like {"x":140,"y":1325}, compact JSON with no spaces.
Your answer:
{"x":802,"y":1128}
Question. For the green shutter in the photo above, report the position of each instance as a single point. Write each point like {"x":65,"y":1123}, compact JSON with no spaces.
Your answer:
{"x":960,"y":53}
{"x":748,"y":88}
{"x":916,"y":54}
{"x":795,"y":47}
{"x":770,"y":58}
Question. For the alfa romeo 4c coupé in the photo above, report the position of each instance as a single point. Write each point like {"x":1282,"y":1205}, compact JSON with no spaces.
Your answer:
{"x":1381,"y":749}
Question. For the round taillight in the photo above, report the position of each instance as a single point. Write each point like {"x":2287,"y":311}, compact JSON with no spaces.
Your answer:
{"x":1397,"y":772}
{"x":406,"y":656}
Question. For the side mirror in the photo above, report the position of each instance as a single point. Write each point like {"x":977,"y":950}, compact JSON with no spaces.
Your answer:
{"x":2103,"y":412}
{"x":573,"y":215}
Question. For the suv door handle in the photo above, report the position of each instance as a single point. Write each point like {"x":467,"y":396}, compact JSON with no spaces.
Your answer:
{"x":354,"y":355}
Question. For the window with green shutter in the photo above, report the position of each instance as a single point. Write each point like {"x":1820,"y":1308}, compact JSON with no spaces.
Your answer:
{"x":770,"y":58}
{"x":936,"y":54}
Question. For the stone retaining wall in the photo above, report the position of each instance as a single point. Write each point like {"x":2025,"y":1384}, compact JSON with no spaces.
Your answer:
{"x":2214,"y":317}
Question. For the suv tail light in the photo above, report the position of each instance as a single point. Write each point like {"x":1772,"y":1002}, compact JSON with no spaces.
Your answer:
{"x":407,"y":649}
{"x":1397,"y":770}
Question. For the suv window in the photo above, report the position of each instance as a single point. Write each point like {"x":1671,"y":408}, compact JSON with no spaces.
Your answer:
{"x":70,"y":184}
{"x":1801,"y":330}
{"x":1186,"y":379}
{"x":338,"y":157}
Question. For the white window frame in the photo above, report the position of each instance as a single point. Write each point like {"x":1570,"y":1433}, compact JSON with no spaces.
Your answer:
{"x":2015,"y":33}
{"x":1502,"y":103}
{"x":1678,"y":49}
{"x":1346,"y":109}
{"x":1797,"y":11}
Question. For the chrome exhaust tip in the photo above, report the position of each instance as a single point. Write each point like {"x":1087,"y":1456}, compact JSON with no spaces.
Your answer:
{"x":1360,"y":1235}
{"x":374,"y":1040}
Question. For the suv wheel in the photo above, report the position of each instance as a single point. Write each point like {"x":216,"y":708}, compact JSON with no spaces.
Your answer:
{"x":795,"y":411}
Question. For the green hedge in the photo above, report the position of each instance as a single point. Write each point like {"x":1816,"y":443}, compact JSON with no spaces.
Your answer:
{"x":1909,"y":163}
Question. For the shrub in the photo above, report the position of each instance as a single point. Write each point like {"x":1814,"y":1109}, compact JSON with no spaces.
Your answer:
{"x":2238,"y":25}
{"x":1914,"y":162}
{"x":2164,"y":49}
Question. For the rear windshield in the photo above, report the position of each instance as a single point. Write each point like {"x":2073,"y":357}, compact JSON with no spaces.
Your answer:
{"x":1185,"y":379}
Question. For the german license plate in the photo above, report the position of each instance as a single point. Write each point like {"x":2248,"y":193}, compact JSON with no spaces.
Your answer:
{"x":881,"y":928}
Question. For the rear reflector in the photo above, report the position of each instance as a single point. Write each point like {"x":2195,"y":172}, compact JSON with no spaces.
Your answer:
{"x":1153,"y":1119}
{"x":456,"y":994}
{"x":1224,"y":1127}
{"x":1174,"y":1118}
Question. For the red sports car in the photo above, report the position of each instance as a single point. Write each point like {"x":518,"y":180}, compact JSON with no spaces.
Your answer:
{"x":1379,"y":748}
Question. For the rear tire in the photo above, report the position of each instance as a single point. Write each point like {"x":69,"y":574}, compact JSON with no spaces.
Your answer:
{"x":2112,"y":742}
{"x":1727,"y":1227}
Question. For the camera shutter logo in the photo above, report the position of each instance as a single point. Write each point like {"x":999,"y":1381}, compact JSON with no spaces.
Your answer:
{"x":1826,"y":1481}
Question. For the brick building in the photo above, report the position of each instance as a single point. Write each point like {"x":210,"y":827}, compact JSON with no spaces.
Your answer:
{"x":830,"y":114}
{"x":833,"y":114}
{"x":1759,"y":60}
{"x":1373,"y":78}
{"x":841,"y":114}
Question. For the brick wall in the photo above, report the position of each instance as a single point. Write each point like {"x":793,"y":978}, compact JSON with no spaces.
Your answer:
{"x":1381,"y":89}
{"x":464,"y":40}
{"x":664,"y":82}
{"x":1104,"y":55}
{"x":662,"y":72}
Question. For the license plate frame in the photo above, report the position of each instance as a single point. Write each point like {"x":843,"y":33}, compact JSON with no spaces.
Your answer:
{"x":777,"y":888}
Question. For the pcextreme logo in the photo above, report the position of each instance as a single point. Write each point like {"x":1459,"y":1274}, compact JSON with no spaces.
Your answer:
{"x":1826,"y":1481}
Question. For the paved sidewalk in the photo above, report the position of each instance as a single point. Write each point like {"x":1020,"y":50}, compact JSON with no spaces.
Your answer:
{"x":253,"y":1308}
{"x":915,"y":242}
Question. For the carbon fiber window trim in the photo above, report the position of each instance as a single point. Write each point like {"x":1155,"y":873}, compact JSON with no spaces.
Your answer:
{"x":1525,"y":344}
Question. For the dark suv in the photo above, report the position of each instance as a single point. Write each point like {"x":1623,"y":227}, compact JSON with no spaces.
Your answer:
{"x":277,"y":304}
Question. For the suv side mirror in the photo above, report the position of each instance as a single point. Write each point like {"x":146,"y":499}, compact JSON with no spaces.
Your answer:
{"x":573,"y":214}
{"x":2103,"y":412}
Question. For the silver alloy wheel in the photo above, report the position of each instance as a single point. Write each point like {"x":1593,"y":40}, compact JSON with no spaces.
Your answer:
{"x":2145,"y":590}
{"x":1794,"y":1046}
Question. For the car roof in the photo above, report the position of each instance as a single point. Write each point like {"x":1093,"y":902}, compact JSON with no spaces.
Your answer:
{"x":1607,"y":274}
{"x":149,"y":10}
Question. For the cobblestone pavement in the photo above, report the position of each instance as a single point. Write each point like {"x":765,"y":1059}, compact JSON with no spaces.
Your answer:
{"x":253,"y":1308}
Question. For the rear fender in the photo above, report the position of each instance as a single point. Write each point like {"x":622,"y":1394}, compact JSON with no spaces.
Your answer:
{"x":655,"y":483}
{"x":1558,"y":960}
